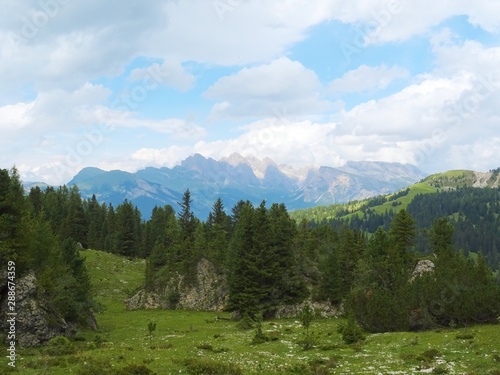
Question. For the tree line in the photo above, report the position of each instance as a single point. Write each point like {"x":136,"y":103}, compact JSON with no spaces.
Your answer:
{"x":267,"y":258}
{"x":29,"y":240}
{"x":474,"y":213}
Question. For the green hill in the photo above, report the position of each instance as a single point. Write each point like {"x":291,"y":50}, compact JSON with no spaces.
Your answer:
{"x":432,"y":184}
{"x":190,"y":342}
{"x":114,"y":277}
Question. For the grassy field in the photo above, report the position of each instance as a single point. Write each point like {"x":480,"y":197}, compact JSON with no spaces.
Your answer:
{"x":402,"y":202}
{"x":431,"y":184}
{"x":188,"y":342}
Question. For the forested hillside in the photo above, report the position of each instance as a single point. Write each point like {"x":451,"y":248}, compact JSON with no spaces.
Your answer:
{"x":473,"y":211}
{"x":41,"y":251}
{"x":265,"y":258}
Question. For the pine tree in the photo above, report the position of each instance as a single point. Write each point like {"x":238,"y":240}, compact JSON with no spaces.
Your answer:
{"x":75,"y":224}
{"x":403,"y":232}
{"x":289,"y":286}
{"x":35,"y":198}
{"x":186,"y":247}
{"x":13,"y":227}
{"x":127,"y":240}
{"x":95,"y":218}
{"x":243,"y":272}
{"x":217,"y":234}
{"x":381,"y":294}
{"x":187,"y":220}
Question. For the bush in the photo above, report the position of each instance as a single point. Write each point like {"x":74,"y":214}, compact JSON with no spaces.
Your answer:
{"x":204,"y":346}
{"x":245,"y":323}
{"x":428,"y":355}
{"x":465,"y":336}
{"x":352,"y":332}
{"x":135,"y":370}
{"x":308,"y":342}
{"x":209,"y":347}
{"x":441,"y":369}
{"x":59,"y":345}
{"x":103,"y":367}
{"x":202,"y":366}
{"x":93,"y":367}
{"x":259,"y":337}
{"x":173,"y":298}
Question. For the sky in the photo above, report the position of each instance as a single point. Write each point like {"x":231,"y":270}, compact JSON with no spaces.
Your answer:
{"x":127,"y":84}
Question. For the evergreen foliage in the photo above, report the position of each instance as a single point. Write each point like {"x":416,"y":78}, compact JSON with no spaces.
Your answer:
{"x":268,"y":260}
{"x":29,"y":237}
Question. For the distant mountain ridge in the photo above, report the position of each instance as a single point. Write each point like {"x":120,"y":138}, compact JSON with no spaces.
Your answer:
{"x":435,"y":183}
{"x":235,"y":178}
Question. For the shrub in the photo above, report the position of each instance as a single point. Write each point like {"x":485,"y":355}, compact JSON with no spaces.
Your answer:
{"x":173,"y":298}
{"x":306,"y":317}
{"x":203,"y":366}
{"x":92,"y":367}
{"x":103,"y":367}
{"x":204,"y":346}
{"x":465,"y":336}
{"x":308,"y":342}
{"x":209,"y":347}
{"x":164,"y":345}
{"x":428,"y":355}
{"x":135,"y":370}
{"x":259,"y":337}
{"x":441,"y":369}
{"x":59,"y":345}
{"x":352,"y":332}
{"x":245,"y":323}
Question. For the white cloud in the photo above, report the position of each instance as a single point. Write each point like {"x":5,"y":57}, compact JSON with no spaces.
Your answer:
{"x":261,"y":90}
{"x":76,"y":42}
{"x":47,"y":101}
{"x":399,"y":20}
{"x":367,"y":78}
{"x":169,"y":73}
{"x":237,"y":32}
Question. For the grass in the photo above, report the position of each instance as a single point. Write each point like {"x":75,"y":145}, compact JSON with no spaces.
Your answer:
{"x":191,"y":342}
{"x":431,"y":184}
{"x":402,"y":202}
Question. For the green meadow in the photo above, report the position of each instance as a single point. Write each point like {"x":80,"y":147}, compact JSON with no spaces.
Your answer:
{"x":191,"y":342}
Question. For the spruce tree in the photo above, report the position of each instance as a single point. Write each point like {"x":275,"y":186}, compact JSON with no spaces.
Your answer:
{"x":127,"y":240}
{"x":75,"y":224}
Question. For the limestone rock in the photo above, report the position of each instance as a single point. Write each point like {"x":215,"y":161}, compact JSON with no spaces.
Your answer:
{"x":36,"y":323}
{"x":322,"y":309}
{"x":422,"y":266}
{"x":143,"y":300}
{"x":207,"y":293}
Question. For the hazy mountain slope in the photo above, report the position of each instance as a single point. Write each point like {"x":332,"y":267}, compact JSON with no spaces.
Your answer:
{"x":394,"y":201}
{"x":237,"y":178}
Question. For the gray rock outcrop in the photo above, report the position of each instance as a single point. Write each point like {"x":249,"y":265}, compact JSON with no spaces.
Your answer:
{"x":36,"y":323}
{"x":422,"y":267}
{"x":208,"y":292}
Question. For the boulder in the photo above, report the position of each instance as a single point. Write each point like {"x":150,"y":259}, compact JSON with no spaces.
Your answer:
{"x":207,"y":293}
{"x":422,"y":266}
{"x":321,"y":309}
{"x":36,"y":323}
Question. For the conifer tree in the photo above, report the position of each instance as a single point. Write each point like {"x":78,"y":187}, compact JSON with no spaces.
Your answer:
{"x":35,"y":198}
{"x":243,"y":273}
{"x":13,"y":227}
{"x":403,"y":232}
{"x":187,"y":220}
{"x":75,"y":224}
{"x":95,"y":218}
{"x":127,"y":241}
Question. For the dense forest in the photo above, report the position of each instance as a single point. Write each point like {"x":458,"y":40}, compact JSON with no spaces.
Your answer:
{"x":36,"y":243}
{"x":266,"y":257}
{"x":474,"y":213}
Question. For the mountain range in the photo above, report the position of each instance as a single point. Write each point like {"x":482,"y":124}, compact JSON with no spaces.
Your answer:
{"x":236,"y":177}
